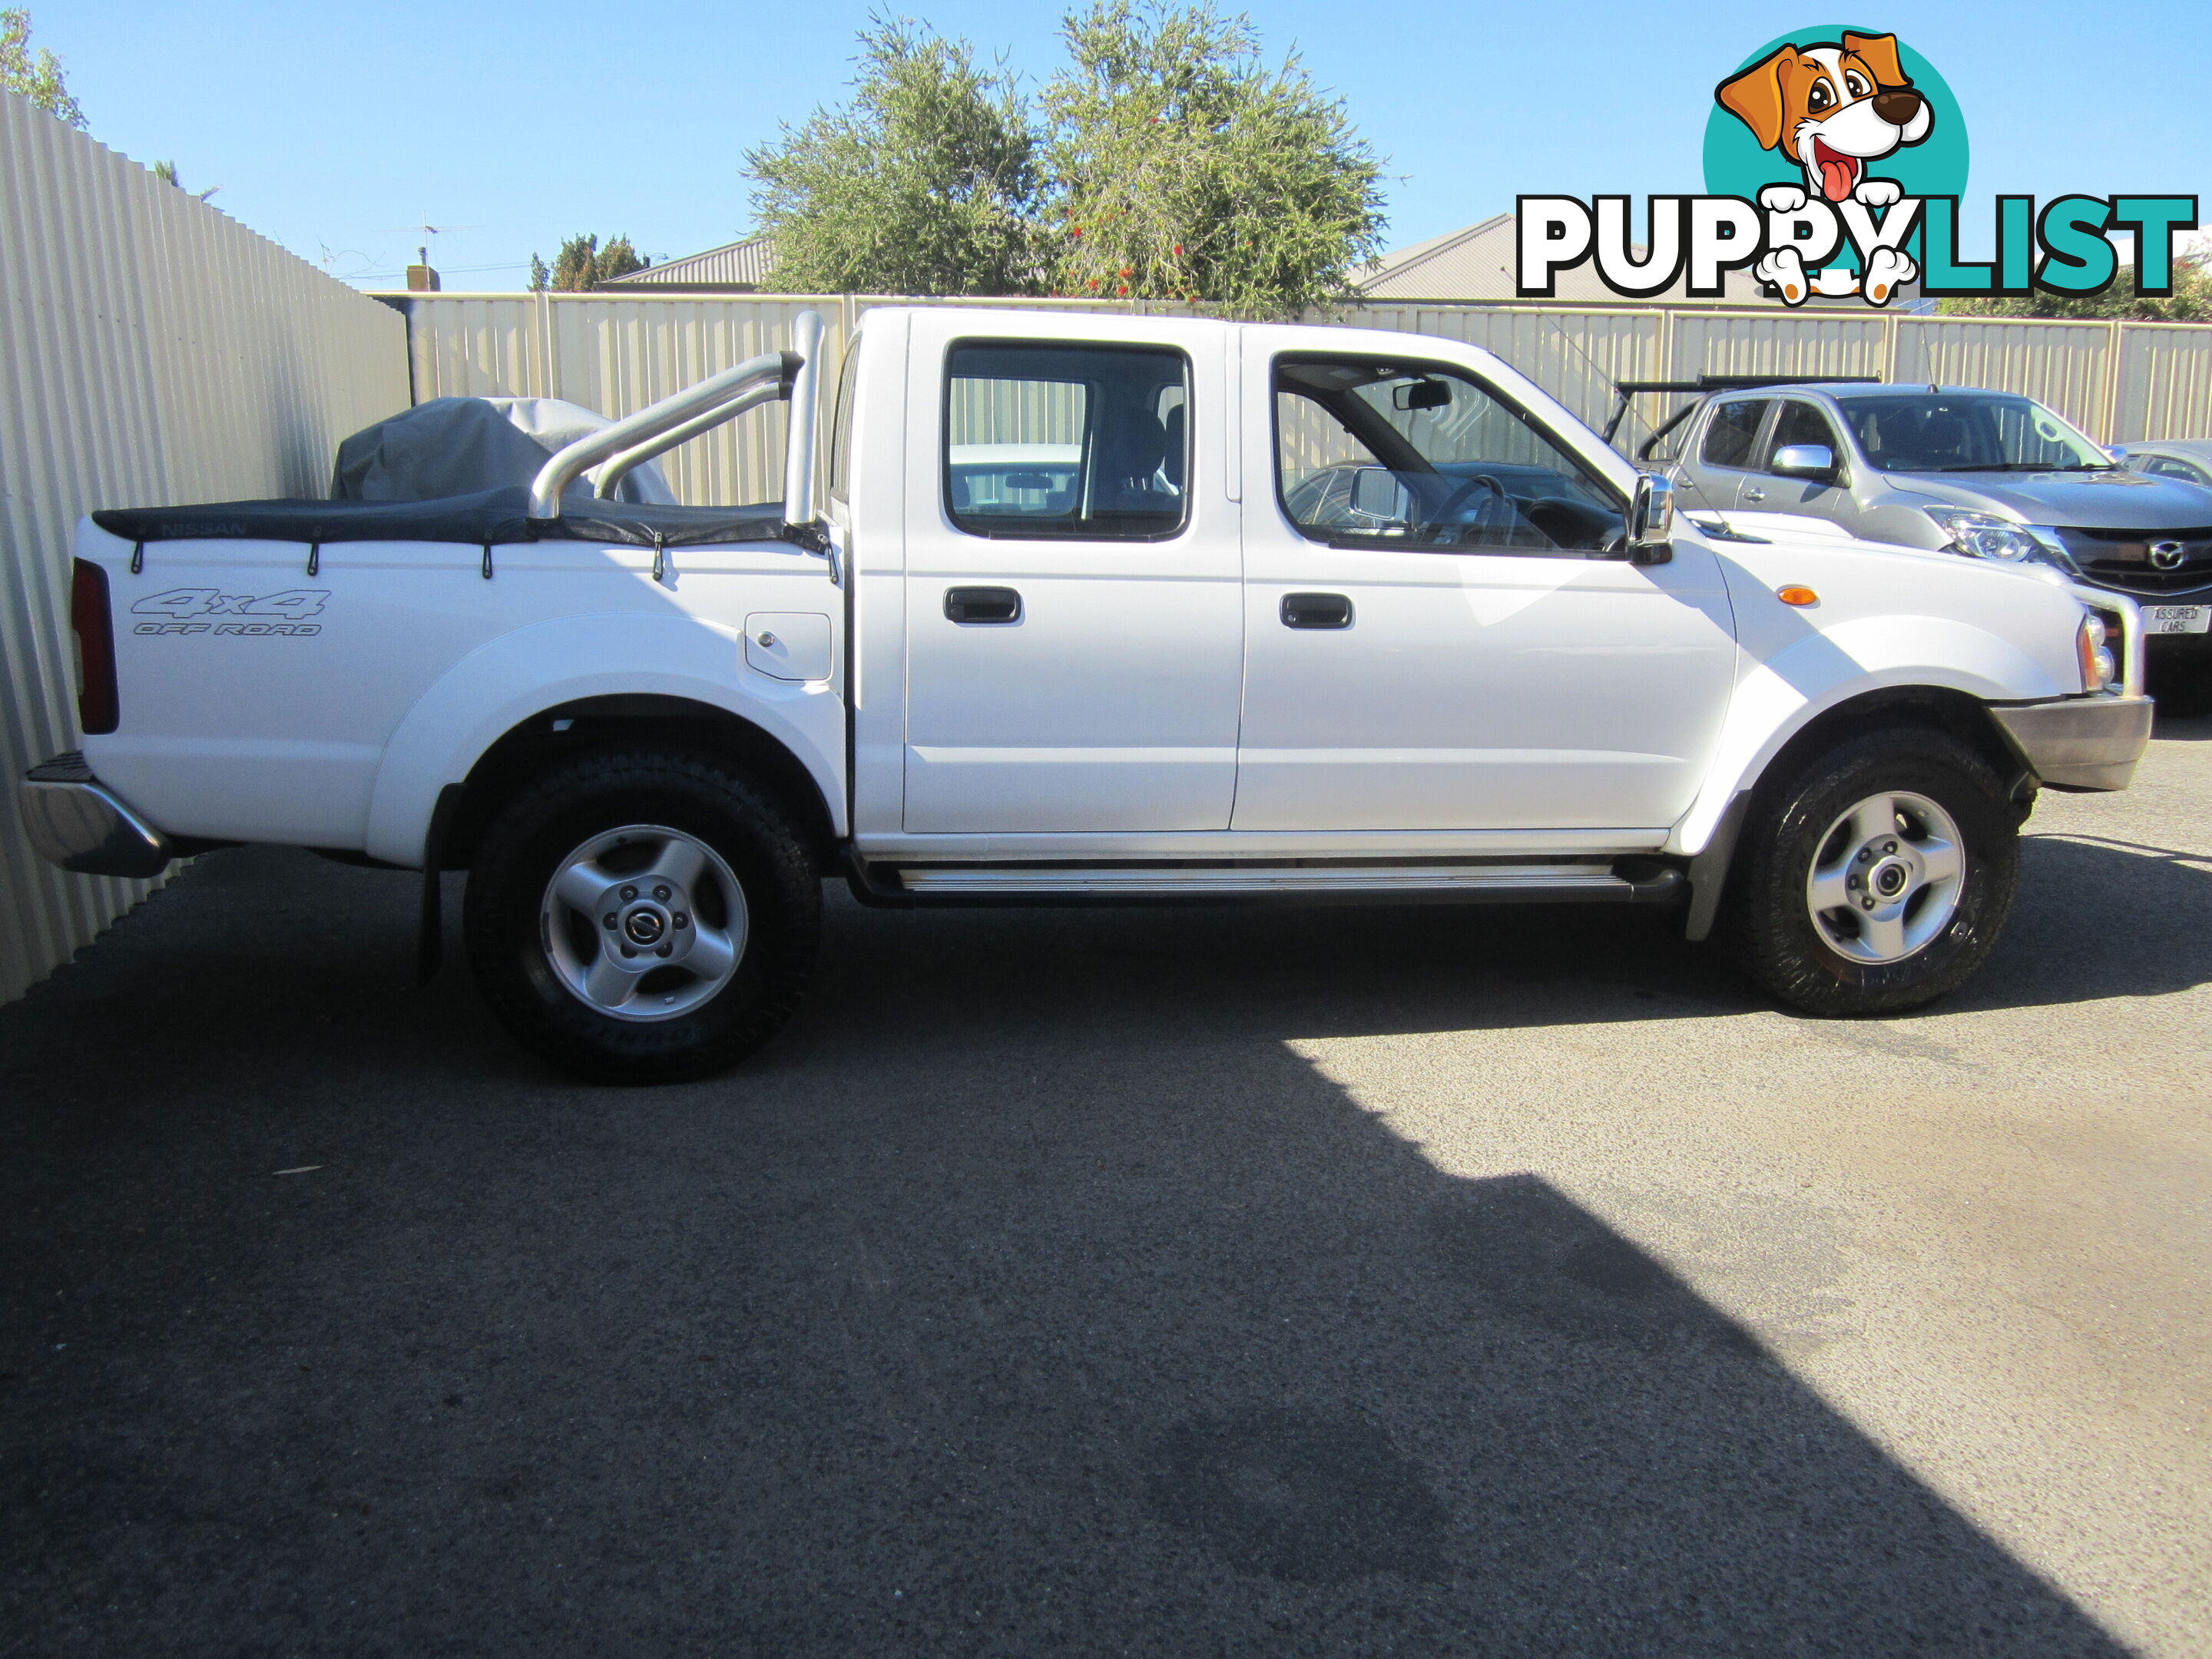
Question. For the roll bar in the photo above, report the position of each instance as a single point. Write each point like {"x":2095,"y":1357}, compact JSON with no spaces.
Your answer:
{"x":609,"y":478}
{"x":792,"y":375}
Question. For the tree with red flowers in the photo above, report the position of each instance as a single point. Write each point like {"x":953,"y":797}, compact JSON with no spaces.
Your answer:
{"x":1183,"y":167}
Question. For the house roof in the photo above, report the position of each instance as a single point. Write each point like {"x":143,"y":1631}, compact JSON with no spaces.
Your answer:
{"x":733,"y":268}
{"x":1475,"y":262}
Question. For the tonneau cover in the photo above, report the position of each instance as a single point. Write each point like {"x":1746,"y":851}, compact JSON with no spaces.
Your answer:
{"x":452,"y":446}
{"x":486,"y":518}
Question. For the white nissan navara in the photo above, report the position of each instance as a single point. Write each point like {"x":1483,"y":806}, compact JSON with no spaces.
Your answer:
{"x":1094,"y":609}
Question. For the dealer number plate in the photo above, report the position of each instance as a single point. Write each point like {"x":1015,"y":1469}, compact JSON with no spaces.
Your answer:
{"x":2177,"y":618}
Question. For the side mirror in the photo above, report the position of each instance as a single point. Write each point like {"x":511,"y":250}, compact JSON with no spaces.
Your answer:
{"x":1651,"y":519}
{"x":1376,"y":494}
{"x":1815,"y":461}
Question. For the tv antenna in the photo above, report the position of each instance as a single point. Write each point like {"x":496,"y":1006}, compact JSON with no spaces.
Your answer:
{"x":431,"y":232}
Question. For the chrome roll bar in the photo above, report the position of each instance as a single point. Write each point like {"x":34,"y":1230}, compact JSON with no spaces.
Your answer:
{"x":609,"y":478}
{"x":792,"y":375}
{"x":799,"y":448}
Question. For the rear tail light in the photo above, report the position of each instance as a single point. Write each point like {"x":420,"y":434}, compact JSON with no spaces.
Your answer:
{"x":97,"y":710}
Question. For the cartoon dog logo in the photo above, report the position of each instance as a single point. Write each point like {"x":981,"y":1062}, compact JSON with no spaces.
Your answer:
{"x":1832,"y":107}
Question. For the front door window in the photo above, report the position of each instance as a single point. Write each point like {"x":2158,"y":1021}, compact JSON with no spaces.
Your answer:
{"x":1408,"y":455}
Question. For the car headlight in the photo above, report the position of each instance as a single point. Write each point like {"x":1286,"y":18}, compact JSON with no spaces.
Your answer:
{"x":2098,"y":667}
{"x":1985,"y":536}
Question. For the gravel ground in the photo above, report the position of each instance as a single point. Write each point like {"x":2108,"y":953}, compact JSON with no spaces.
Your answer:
{"x":1282,"y":1282}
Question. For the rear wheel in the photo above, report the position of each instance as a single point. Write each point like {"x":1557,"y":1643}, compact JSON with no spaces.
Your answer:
{"x":1876,"y":876}
{"x":643,"y":916}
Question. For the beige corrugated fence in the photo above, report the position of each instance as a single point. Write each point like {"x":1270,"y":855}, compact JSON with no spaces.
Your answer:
{"x":2118,"y":381}
{"x":155,"y":350}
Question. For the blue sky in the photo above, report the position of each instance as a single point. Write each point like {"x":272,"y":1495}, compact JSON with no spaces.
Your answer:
{"x":330,"y":125}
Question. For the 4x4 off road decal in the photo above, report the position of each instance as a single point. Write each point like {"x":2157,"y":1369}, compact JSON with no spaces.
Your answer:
{"x":1795,"y":139}
{"x":245,"y":614}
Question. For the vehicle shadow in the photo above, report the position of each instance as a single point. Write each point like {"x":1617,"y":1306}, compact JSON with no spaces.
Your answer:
{"x":1031,"y":1296}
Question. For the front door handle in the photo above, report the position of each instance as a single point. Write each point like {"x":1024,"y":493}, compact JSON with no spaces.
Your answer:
{"x":1754,"y":494}
{"x":1316,"y":610}
{"x":982,"y":604}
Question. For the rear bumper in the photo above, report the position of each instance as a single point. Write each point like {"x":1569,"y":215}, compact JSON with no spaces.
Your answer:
{"x":2079,"y":743}
{"x":75,"y":821}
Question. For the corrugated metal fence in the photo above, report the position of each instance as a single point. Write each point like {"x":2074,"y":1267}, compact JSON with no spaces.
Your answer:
{"x":2116,"y":380}
{"x":156,"y":350}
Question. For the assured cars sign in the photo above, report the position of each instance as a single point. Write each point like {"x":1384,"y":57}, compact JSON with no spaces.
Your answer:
{"x":1834,"y":163}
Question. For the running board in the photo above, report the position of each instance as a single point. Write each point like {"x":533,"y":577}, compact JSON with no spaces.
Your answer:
{"x":1550,"y":883}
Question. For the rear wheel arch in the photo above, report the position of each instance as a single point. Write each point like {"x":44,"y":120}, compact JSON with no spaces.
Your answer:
{"x":631,"y":722}
{"x":687,"y":935}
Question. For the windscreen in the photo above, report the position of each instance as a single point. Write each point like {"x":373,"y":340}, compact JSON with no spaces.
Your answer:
{"x":1967,"y":432}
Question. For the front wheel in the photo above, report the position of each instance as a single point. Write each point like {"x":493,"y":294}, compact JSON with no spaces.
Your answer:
{"x":1875,"y":876}
{"x":643,"y":916}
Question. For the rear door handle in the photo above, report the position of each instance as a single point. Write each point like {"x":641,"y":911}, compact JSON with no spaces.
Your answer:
{"x":1316,"y":610}
{"x":982,"y":604}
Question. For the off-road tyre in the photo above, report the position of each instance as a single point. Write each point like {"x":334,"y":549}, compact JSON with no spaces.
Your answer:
{"x":1768,"y":920}
{"x":686,"y":795}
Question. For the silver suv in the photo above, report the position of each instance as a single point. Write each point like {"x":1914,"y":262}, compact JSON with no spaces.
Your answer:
{"x":1986,"y":474}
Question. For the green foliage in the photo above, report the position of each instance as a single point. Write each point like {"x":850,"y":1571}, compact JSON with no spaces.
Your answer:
{"x":1168,"y":161}
{"x":1184,"y":167}
{"x":2190,"y":301}
{"x":926,"y":183}
{"x":40,"y":78}
{"x":582,"y":264}
{"x":166,"y":173}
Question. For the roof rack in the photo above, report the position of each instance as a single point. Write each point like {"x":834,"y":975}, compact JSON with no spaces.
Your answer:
{"x":1624,"y":390}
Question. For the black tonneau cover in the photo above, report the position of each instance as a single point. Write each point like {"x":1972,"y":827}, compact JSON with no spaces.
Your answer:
{"x":488,"y":518}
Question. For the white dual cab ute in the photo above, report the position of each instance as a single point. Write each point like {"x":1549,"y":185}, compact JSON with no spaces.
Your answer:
{"x":1094,"y":607}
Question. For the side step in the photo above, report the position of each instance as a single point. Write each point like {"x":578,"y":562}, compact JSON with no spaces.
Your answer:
{"x":1543,"y":883}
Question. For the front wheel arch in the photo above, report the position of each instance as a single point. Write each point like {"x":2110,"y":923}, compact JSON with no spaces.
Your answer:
{"x":1777,"y":917}
{"x":1965,"y":718}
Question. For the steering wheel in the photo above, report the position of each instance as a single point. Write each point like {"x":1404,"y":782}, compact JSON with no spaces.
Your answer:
{"x":1458,"y":497}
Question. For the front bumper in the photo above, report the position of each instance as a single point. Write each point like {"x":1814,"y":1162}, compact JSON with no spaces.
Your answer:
{"x":75,"y":821}
{"x":2079,"y":743}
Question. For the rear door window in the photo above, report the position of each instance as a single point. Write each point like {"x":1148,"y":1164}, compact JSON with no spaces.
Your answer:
{"x":1044,"y":439}
{"x":1731,"y":431}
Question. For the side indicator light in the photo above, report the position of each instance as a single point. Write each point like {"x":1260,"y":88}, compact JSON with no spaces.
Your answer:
{"x":1796,"y":596}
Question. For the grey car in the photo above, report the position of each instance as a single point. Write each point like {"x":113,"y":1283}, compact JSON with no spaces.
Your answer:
{"x":2169,"y":457}
{"x":1985,"y":474}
